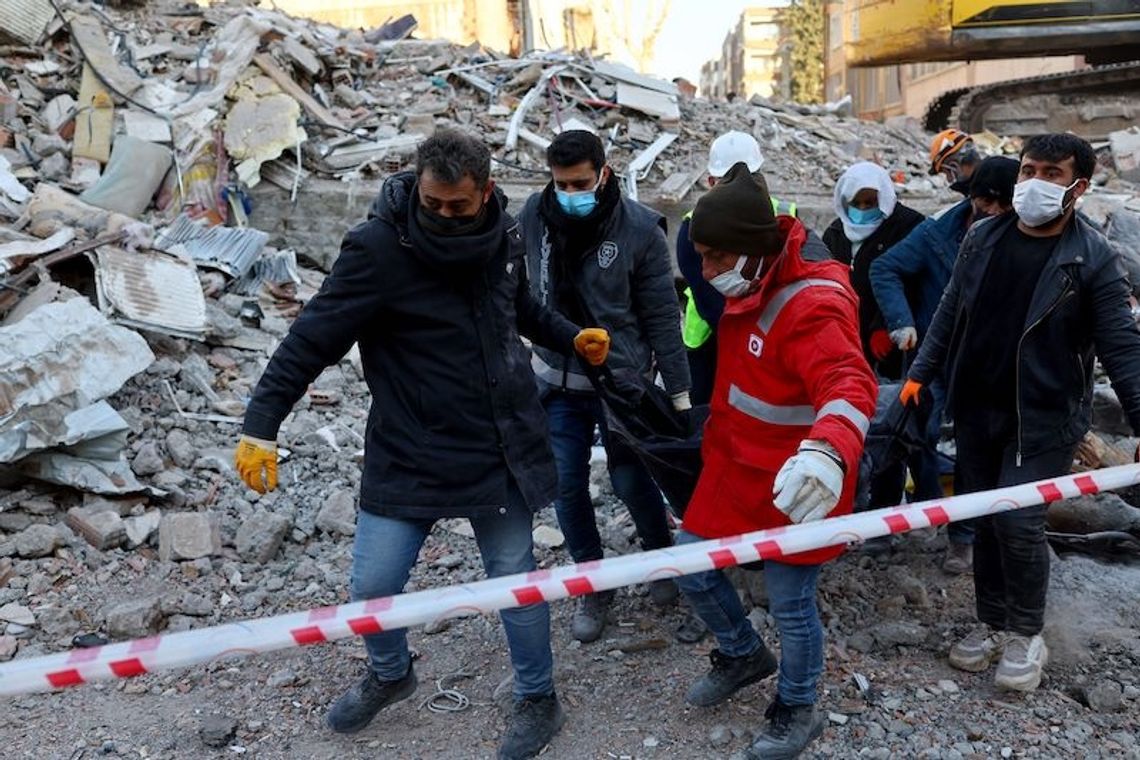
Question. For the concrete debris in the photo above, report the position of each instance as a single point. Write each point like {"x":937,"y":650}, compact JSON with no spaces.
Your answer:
{"x":140,"y":528}
{"x":261,"y":535}
{"x":338,"y":515}
{"x":37,"y":541}
{"x":18,"y":614}
{"x":188,"y":536}
{"x":102,"y":528}
{"x":133,"y":619}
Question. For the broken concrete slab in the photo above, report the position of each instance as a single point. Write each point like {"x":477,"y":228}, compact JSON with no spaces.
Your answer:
{"x":140,"y":528}
{"x":37,"y":541}
{"x":260,"y":537}
{"x":188,"y":536}
{"x":18,"y":614}
{"x":1125,"y":146}
{"x":134,"y":618}
{"x":338,"y":513}
{"x":102,"y":528}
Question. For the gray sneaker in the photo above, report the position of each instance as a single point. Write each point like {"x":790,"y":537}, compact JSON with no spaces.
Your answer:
{"x":358,"y":706}
{"x":1021,"y":663}
{"x":729,"y":675}
{"x":959,"y":559}
{"x":790,"y":729}
{"x":979,"y":649}
{"x":590,"y":617}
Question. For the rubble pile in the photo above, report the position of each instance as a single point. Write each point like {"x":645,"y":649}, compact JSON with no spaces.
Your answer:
{"x":138,"y":306}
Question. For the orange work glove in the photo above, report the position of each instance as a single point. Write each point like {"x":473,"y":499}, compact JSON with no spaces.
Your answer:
{"x":256,"y":463}
{"x":881,"y":344}
{"x":593,"y":343}
{"x":910,"y":391}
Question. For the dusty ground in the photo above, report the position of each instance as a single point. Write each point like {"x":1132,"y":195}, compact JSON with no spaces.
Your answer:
{"x":630,"y":705}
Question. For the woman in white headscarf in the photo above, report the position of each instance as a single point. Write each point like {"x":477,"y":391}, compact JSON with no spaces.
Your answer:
{"x":870,"y":220}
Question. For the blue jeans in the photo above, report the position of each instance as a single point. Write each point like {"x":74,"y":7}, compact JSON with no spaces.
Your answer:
{"x":384,"y":552}
{"x":572,"y":418}
{"x":791,"y":601}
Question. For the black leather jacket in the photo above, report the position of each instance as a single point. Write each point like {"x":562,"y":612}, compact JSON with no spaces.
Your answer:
{"x":1079,"y":307}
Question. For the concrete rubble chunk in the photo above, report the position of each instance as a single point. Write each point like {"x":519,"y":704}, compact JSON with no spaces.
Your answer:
{"x":188,"y":536}
{"x":148,"y":460}
{"x":18,"y":614}
{"x":217,"y":730}
{"x":260,"y":537}
{"x":37,"y":541}
{"x":140,"y":528}
{"x":338,"y":513}
{"x":134,"y":618}
{"x":8,"y":647}
{"x":102,"y":528}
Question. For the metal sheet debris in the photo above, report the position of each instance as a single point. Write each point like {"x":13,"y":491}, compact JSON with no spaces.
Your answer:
{"x":24,"y":21}
{"x":230,"y":249}
{"x":62,"y":358}
{"x":150,"y":291}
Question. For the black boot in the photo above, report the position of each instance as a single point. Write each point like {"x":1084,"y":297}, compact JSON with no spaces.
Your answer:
{"x":790,"y":729}
{"x":358,"y":706}
{"x":730,"y":674}
{"x":534,"y":722}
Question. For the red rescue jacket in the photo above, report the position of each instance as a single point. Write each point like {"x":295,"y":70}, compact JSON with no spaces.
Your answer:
{"x":790,"y":367}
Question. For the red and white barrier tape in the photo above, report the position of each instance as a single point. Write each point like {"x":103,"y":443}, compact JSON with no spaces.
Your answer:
{"x":133,"y":658}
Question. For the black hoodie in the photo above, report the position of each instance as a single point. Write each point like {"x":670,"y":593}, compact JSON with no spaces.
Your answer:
{"x":455,"y":407}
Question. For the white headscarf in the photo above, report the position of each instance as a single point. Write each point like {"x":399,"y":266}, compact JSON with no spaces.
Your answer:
{"x":858,"y":177}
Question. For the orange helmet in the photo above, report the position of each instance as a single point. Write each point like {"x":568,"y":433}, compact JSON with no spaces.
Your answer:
{"x":945,"y":144}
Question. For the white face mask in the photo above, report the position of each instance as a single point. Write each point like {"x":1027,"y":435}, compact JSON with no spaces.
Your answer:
{"x":732,"y":284}
{"x":1038,"y":202}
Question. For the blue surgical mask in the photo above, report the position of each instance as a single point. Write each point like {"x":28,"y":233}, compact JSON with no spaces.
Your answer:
{"x":578,"y":204}
{"x":864,"y":216}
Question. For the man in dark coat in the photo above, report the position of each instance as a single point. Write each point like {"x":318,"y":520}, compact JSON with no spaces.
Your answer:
{"x":433,"y":289}
{"x":1034,"y":295}
{"x":600,"y":258}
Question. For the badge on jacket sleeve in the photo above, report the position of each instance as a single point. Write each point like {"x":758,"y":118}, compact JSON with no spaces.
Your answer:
{"x":607,"y":254}
{"x":755,"y":345}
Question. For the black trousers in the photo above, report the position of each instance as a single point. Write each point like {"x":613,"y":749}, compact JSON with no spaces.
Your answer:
{"x":1011,"y":555}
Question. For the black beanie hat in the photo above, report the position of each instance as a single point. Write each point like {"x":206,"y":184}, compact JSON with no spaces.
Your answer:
{"x":995,"y":178}
{"x":736,"y":215}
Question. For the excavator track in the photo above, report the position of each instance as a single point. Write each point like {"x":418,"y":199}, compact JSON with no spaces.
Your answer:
{"x":1090,"y":103}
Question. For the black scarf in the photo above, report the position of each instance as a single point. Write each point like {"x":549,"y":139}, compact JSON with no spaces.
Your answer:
{"x":575,"y":236}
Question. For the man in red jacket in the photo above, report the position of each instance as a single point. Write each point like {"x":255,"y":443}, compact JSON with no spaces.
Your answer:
{"x":790,"y":407}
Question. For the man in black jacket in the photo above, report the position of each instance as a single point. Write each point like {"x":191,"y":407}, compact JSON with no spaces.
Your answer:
{"x":1034,"y":294}
{"x":433,"y":289}
{"x":600,"y":258}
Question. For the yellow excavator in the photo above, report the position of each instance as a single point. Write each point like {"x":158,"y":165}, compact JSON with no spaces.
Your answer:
{"x":1090,"y":102}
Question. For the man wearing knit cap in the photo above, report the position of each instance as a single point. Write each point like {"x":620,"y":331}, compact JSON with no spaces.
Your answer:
{"x":789,"y":412}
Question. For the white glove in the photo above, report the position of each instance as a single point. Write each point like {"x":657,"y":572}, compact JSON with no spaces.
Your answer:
{"x":809,"y":484}
{"x":905,"y":338}
{"x":681,"y":401}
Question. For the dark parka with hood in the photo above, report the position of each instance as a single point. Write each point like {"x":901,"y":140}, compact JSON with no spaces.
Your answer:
{"x":455,"y":410}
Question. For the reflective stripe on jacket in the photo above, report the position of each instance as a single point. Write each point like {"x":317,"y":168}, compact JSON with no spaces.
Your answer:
{"x":790,"y":368}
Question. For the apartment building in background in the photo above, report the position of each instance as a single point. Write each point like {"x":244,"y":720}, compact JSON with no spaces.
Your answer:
{"x":754,"y":57}
{"x":907,"y":89}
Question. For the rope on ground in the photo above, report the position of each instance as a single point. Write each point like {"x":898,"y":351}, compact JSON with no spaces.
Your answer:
{"x":447,"y":699}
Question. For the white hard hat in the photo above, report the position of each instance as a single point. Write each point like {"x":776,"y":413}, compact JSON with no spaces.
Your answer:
{"x":731,"y":148}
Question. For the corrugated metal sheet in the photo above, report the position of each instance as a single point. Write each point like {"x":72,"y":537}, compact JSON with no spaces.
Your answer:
{"x":231,"y":249}
{"x":151,"y":291}
{"x":24,"y":21}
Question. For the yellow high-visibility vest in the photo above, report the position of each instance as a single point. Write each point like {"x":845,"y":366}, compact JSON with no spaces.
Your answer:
{"x":695,"y":331}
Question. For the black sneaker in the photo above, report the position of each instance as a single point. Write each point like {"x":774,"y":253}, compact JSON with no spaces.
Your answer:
{"x":790,"y":729}
{"x":590,"y":617}
{"x":534,"y":722}
{"x":730,"y":674}
{"x":358,"y":706}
